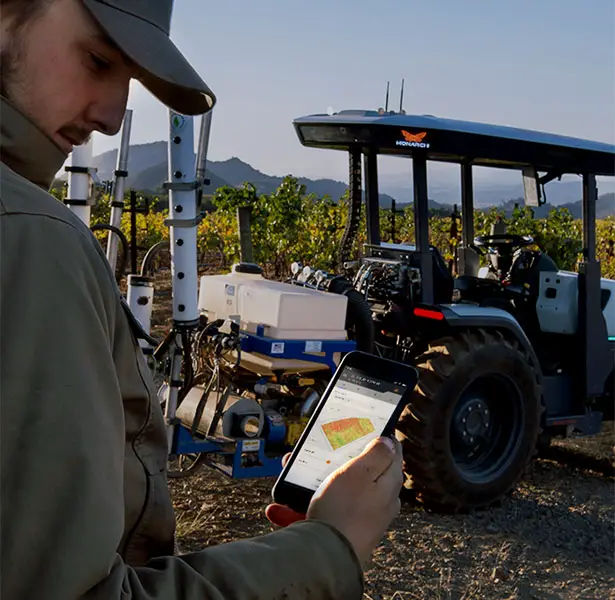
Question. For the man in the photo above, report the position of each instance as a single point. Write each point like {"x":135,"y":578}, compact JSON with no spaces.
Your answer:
{"x":85,"y":507}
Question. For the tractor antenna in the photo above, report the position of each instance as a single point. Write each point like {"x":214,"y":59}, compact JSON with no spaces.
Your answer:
{"x":386,"y":103}
{"x":401,"y":97}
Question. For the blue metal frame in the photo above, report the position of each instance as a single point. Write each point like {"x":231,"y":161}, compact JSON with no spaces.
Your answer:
{"x":184,"y":443}
{"x":296,"y":349}
{"x":264,"y":466}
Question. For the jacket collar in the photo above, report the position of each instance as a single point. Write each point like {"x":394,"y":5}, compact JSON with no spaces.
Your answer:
{"x":26,"y":149}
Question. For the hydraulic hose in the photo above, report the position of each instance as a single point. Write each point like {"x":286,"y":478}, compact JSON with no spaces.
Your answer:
{"x":149,"y":257}
{"x":358,"y":315}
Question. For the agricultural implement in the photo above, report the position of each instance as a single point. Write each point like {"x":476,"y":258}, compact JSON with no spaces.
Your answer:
{"x":509,"y":354}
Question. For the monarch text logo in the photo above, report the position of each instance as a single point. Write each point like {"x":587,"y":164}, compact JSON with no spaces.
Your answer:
{"x":413,"y":140}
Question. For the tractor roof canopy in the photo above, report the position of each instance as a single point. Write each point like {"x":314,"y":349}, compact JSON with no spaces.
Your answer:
{"x":449,"y":140}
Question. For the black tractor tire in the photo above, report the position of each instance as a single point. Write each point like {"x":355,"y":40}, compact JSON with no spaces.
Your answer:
{"x":471,"y":429}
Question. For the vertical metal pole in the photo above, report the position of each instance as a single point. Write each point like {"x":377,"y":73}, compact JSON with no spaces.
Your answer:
{"x":183,"y":220}
{"x":590,"y":194}
{"x":133,"y":232}
{"x":421,"y":227}
{"x":172,"y":391}
{"x":467,"y":260}
{"x":372,"y":200}
{"x":117,"y":204}
{"x":80,"y":181}
{"x":201,"y":156}
{"x":596,"y":353}
{"x":467,"y":205}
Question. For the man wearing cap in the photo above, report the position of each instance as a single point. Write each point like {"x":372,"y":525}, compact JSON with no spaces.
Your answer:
{"x":85,"y":509}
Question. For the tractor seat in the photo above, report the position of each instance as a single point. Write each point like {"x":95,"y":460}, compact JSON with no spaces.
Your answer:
{"x":527,"y":268}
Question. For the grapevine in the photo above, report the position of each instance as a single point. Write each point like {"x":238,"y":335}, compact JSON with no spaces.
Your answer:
{"x":291,"y":225}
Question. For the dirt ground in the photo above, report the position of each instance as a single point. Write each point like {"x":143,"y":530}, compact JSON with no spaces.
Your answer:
{"x":553,"y":538}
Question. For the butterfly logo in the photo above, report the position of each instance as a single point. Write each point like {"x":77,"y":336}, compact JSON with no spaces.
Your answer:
{"x":413,"y":137}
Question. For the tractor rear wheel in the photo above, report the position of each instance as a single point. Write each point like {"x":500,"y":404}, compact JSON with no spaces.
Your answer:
{"x":471,"y":428}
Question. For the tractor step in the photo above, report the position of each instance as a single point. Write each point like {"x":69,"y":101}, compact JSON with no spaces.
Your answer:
{"x":587,"y":424}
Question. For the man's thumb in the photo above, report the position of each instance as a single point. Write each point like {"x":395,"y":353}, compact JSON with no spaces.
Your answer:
{"x":377,"y":457}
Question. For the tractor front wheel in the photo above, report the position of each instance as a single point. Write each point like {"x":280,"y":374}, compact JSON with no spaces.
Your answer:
{"x":471,"y":428}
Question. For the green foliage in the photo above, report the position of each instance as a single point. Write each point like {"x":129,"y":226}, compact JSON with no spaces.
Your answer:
{"x":605,"y":246}
{"x":290,"y":225}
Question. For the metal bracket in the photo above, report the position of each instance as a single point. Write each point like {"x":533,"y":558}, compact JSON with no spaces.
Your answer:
{"x":183,"y":222}
{"x":587,"y":424}
{"x":91,"y":171}
{"x":181,"y":186}
{"x":91,"y":201}
{"x":550,"y":176}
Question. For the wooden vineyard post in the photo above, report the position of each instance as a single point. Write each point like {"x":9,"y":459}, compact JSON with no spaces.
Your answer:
{"x":245,"y":234}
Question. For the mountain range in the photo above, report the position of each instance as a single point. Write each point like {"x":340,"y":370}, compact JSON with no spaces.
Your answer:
{"x":147,"y":171}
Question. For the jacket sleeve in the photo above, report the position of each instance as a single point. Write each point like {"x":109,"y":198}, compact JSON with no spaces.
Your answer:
{"x":62,"y":450}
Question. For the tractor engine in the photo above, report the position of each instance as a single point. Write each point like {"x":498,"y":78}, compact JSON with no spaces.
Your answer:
{"x":384,"y":282}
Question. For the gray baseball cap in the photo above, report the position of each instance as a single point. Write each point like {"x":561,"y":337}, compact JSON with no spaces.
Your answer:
{"x":140,"y":29}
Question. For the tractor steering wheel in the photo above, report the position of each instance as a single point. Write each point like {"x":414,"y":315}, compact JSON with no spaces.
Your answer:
{"x":500,"y":248}
{"x":503,"y":243}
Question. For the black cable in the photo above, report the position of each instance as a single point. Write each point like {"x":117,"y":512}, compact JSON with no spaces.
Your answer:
{"x":123,"y":240}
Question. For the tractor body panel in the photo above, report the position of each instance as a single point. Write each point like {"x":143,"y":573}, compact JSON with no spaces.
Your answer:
{"x":557,"y":304}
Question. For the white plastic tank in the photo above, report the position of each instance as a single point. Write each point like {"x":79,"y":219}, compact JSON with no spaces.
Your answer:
{"x":286,"y":311}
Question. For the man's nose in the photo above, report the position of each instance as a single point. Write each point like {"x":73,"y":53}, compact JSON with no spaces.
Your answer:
{"x":107,"y":112}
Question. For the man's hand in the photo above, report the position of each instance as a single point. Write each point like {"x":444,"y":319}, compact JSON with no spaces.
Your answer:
{"x":282,"y":515}
{"x":360,"y":499}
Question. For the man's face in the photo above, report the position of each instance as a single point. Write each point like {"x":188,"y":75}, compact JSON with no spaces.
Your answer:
{"x":63,"y":74}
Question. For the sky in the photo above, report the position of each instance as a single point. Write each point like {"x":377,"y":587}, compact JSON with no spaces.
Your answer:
{"x":547,"y":65}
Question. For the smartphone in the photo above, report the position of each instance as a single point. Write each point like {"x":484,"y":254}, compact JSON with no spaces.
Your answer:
{"x":363,"y":401}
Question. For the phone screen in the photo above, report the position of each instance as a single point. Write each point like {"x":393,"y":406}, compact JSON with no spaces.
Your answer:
{"x":356,"y":411}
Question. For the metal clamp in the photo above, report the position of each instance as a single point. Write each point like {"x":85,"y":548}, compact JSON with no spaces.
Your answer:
{"x":91,"y":201}
{"x":183,"y":222}
{"x":181,"y":186}
{"x":91,"y":171}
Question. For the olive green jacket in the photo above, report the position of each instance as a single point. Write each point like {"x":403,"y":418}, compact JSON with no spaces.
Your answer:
{"x":85,"y":508}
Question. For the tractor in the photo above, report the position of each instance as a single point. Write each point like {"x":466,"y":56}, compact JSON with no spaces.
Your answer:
{"x":509,"y":354}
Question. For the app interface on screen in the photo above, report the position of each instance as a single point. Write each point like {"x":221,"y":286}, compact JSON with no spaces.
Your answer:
{"x":356,"y":412}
